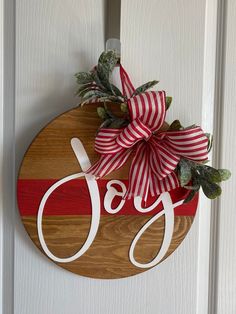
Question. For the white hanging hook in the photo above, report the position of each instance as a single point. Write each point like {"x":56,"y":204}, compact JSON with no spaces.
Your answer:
{"x":114,"y":44}
{"x":112,"y":26}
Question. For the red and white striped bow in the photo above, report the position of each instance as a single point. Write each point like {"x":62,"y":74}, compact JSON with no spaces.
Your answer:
{"x":156,"y":155}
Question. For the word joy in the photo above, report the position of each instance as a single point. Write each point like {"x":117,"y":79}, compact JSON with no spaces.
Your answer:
{"x":164,"y":198}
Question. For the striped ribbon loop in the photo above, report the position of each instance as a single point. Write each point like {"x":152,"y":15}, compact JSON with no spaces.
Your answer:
{"x":150,"y":108}
{"x":133,"y":133}
{"x":155,"y":155}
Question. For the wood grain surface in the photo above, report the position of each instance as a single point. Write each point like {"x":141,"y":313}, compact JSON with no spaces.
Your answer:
{"x":54,"y":142}
{"x":108,"y":255}
{"x":50,"y":156}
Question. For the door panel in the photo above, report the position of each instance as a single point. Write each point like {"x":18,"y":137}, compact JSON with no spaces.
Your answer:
{"x":181,"y":43}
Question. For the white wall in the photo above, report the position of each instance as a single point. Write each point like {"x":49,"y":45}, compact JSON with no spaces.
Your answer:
{"x":183,"y":44}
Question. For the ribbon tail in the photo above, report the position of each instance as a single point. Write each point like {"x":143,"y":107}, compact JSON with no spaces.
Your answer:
{"x":139,"y":173}
{"x":143,"y":180}
{"x":108,"y":163}
{"x":127,"y":86}
{"x":170,"y":182}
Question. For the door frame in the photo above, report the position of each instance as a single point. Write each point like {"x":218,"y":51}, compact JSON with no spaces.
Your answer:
{"x":7,"y":155}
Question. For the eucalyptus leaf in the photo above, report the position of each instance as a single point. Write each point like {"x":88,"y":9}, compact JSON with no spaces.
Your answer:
{"x":168,"y":102}
{"x":102,"y":112}
{"x":190,"y":197}
{"x":190,"y":127}
{"x":118,"y":123}
{"x":124,"y":107}
{"x":106,"y":63}
{"x":209,"y":173}
{"x":116,"y":91}
{"x":210,"y":141}
{"x":90,"y":93}
{"x":97,"y":80}
{"x":84,"y":87}
{"x":185,"y":172}
{"x":211,"y":190}
{"x":192,"y":187}
{"x":109,"y":98}
{"x":144,"y":87}
{"x":104,"y":80}
{"x":108,"y":60}
{"x":175,"y":126}
{"x":205,"y":161}
{"x":87,"y":100}
{"x":106,"y":123}
{"x":84,"y":77}
{"x":110,"y":113}
{"x":224,"y":174}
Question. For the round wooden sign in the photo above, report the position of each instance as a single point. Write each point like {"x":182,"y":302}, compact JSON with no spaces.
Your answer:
{"x":84,"y":225}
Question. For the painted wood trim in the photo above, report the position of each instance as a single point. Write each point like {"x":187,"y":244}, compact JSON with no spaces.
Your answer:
{"x":226,"y":233}
{"x":213,"y":120}
{"x":217,"y":152}
{"x":208,"y":112}
{"x":213,"y":81}
{"x":1,"y":152}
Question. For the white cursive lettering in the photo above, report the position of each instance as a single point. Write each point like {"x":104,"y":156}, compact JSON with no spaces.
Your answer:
{"x":111,"y":193}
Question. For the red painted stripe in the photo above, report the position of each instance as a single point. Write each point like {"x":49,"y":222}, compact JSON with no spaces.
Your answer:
{"x":73,"y":198}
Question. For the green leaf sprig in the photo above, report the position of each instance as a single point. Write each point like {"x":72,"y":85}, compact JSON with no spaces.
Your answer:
{"x":201,"y":176}
{"x":96,"y":85}
{"x":110,"y":120}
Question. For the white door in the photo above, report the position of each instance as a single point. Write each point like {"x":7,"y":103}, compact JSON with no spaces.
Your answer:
{"x":190,"y":46}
